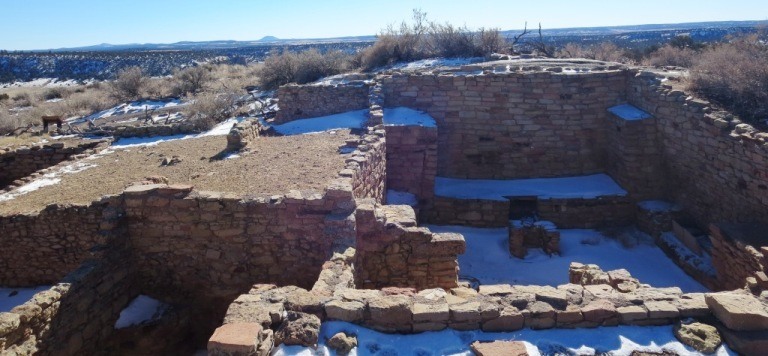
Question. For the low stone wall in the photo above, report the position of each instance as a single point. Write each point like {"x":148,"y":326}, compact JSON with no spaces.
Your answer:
{"x":244,"y":132}
{"x":393,"y":252}
{"x":76,"y":316}
{"x":735,"y":256}
{"x":367,"y":166}
{"x":603,"y":211}
{"x":41,"y":248}
{"x":306,"y":101}
{"x":151,"y":131}
{"x":23,"y":161}
{"x":470,"y":212}
{"x":412,"y":161}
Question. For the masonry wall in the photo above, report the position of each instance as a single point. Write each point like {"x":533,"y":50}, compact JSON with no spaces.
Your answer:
{"x":714,"y":172}
{"x":470,"y":212}
{"x":41,"y":248}
{"x":587,"y":213}
{"x":736,"y":260}
{"x":367,"y":167}
{"x":306,"y":101}
{"x":393,"y":252}
{"x":513,"y":125}
{"x":412,"y":161}
{"x":635,"y":157}
{"x":77,"y":315}
{"x":22,"y":162}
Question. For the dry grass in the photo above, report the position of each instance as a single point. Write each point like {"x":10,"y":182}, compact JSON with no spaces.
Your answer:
{"x":301,"y":67}
{"x":275,"y":166}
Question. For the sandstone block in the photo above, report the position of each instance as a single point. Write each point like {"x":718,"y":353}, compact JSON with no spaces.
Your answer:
{"x":437,"y":312}
{"x":631,"y":314}
{"x":352,"y":311}
{"x":298,"y":329}
{"x":599,"y":311}
{"x":509,"y":319}
{"x":661,"y":310}
{"x":702,"y":337}
{"x":499,"y":348}
{"x":738,"y":311}
{"x":239,"y":339}
{"x":391,"y":311}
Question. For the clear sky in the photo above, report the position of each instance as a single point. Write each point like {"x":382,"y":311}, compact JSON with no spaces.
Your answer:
{"x":43,"y":24}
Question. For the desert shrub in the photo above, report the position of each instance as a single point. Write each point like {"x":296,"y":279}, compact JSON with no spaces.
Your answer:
{"x":158,"y":87}
{"x":4,"y":97}
{"x":301,"y":67}
{"x":8,"y":122}
{"x":54,"y":93}
{"x":208,"y":109}
{"x":670,"y":55}
{"x":604,"y":51}
{"x":191,"y":80}
{"x":21,"y":99}
{"x":128,"y":84}
{"x":734,"y":75}
{"x":421,"y":39}
{"x":89,"y":101}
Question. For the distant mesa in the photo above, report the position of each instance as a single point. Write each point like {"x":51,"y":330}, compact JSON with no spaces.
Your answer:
{"x":269,"y":39}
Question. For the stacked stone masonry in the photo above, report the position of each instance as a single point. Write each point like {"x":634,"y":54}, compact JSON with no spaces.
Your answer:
{"x":513,"y":125}
{"x":393,"y":252}
{"x":412,"y":161}
{"x":307,"y":101}
{"x":23,"y":161}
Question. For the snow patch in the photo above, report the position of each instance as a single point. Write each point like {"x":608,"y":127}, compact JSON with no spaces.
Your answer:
{"x":702,"y":263}
{"x":629,"y":112}
{"x":142,"y":310}
{"x":488,"y":260}
{"x":401,"y":198}
{"x":401,"y":116}
{"x":619,"y":341}
{"x":587,"y":187}
{"x":220,"y":129}
{"x":47,"y":179}
{"x":351,"y":119}
{"x":438,"y":62}
{"x":13,"y":297}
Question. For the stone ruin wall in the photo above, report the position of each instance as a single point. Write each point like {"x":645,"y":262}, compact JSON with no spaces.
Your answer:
{"x":201,"y":254}
{"x":307,"y":101}
{"x":391,"y":251}
{"x":21,"y":162}
{"x":42,"y":247}
{"x":513,"y":125}
{"x":76,"y":316}
{"x":713,"y":172}
{"x":412,"y":161}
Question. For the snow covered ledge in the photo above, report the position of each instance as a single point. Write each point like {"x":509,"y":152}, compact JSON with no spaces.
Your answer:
{"x":570,"y":202}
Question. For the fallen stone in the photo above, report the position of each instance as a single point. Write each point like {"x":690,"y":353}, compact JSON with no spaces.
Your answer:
{"x":702,"y":337}
{"x":738,"y":311}
{"x":240,"y":339}
{"x":298,"y":329}
{"x":342,"y":343}
{"x":499,"y":348}
{"x":746,"y":342}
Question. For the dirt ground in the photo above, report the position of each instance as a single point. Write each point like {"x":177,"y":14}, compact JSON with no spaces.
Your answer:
{"x":274,"y":165}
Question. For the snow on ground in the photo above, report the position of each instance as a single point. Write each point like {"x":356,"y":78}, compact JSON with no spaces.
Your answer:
{"x":351,"y":119}
{"x":141,"y":310}
{"x":401,"y":198}
{"x":618,"y":341}
{"x":45,"y":82}
{"x":438,"y":62}
{"x":13,"y":297}
{"x":401,"y":116}
{"x":130,"y":108}
{"x":658,"y":206}
{"x":629,"y":112}
{"x":339,"y":79}
{"x":587,"y":187}
{"x":48,"y":179}
{"x":703,"y":263}
{"x":487,"y":259}
{"x":220,"y":129}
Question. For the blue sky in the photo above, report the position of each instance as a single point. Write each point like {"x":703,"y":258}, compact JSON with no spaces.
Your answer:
{"x":42,"y":24}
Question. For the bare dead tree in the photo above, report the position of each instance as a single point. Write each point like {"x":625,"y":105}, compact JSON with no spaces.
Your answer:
{"x":542,"y":48}
{"x":516,"y":39}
